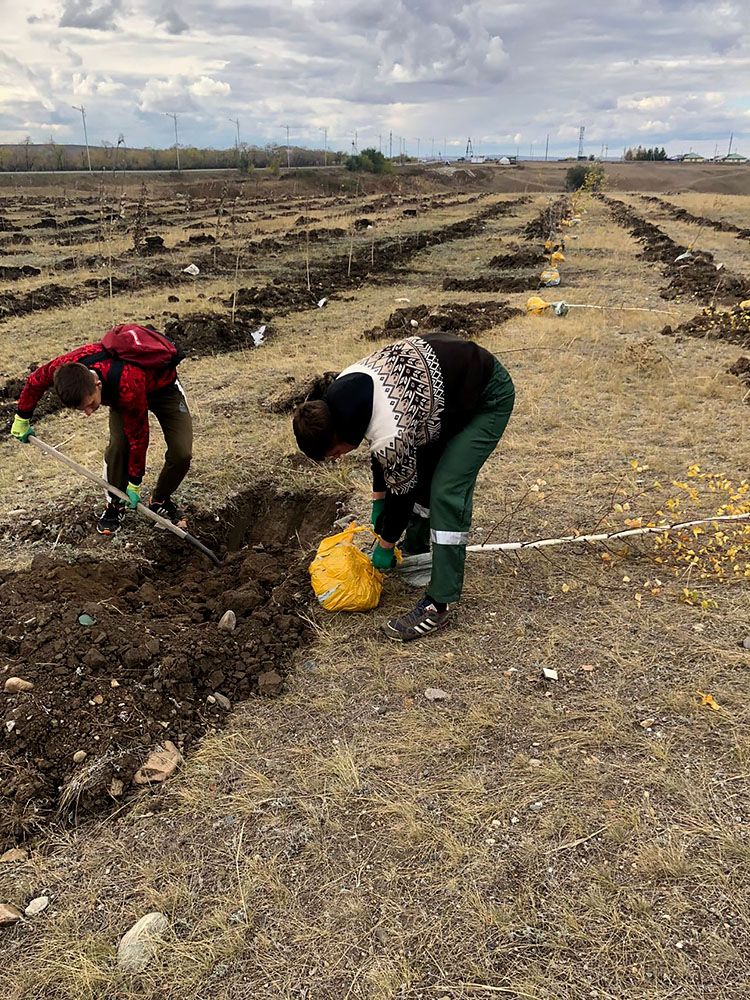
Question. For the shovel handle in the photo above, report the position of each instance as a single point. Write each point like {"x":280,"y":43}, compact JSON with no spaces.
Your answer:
{"x":114,"y":491}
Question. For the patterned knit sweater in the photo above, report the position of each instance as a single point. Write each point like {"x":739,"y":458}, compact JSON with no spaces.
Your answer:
{"x":412,"y":394}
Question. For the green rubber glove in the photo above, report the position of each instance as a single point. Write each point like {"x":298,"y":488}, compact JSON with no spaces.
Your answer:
{"x":134,"y":495}
{"x":21,"y":429}
{"x":377,"y":510}
{"x":383,"y":558}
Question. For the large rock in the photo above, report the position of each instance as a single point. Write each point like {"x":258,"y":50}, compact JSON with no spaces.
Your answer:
{"x":9,"y":914}
{"x":160,"y":765}
{"x":139,"y":946}
{"x":17,"y":685}
{"x":14,"y":856}
{"x":270,"y":683}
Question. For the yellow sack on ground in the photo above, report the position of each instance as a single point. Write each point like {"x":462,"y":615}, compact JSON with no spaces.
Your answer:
{"x":536,"y":305}
{"x":549,"y":277}
{"x":342,"y":576}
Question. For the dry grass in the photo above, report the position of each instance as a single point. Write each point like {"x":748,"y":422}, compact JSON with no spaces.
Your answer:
{"x":525,"y":839}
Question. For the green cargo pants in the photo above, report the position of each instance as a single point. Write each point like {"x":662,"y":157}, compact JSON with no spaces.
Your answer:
{"x":448,"y":519}
{"x":170,"y":408}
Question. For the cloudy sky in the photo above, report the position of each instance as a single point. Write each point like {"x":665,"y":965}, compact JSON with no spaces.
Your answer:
{"x":505,"y":72}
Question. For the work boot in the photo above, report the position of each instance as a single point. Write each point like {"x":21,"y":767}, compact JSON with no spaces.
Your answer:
{"x":423,"y":620}
{"x":166,"y":508}
{"x":111,"y":519}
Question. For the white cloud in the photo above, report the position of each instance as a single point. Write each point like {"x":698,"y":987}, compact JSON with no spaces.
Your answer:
{"x":206,"y":87}
{"x":672,"y":70}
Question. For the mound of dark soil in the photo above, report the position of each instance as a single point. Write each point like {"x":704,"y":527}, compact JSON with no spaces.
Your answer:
{"x":695,"y":276}
{"x":682,"y":215}
{"x":548,"y":221}
{"x":493,"y":283}
{"x":732,"y":325}
{"x":522,"y":257}
{"x":15,"y":239}
{"x":10,"y":390}
{"x":214,"y":333}
{"x":741,"y":368}
{"x":141,"y":667}
{"x":296,"y":389}
{"x":464,"y":319}
{"x":15,"y":273}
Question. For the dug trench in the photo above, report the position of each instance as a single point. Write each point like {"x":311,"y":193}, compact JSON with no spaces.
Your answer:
{"x":125,"y":654}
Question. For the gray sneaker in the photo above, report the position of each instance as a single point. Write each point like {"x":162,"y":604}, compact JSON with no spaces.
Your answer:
{"x":422,"y":621}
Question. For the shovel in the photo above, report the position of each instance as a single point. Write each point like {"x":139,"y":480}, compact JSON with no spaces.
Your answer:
{"x":141,"y":508}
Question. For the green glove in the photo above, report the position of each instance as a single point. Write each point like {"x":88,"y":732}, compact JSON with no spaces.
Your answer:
{"x":21,"y":429}
{"x":383,"y":558}
{"x":134,"y":495}
{"x":377,"y":510}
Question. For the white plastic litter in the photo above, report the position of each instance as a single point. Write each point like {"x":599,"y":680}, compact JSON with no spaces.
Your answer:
{"x":258,"y":336}
{"x":191,"y":269}
{"x":322,"y":302}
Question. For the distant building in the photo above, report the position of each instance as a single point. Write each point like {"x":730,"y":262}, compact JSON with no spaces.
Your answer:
{"x":693,"y":158}
{"x":734,"y":158}
{"x":478,"y":159}
{"x":504,"y":160}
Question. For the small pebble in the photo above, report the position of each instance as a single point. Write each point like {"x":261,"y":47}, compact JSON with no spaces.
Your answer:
{"x":37,"y":906}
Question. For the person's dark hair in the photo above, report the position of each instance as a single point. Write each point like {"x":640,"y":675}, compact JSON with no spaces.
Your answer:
{"x":73,"y":383}
{"x":314,"y":429}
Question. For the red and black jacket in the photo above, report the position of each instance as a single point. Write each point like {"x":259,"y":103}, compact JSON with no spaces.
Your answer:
{"x":128,"y":394}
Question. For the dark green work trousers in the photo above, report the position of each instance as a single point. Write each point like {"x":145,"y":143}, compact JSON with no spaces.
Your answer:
{"x":447,"y":520}
{"x":170,"y":408}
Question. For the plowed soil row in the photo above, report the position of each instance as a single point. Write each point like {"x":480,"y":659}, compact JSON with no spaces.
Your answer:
{"x":330,"y":276}
{"x":695,"y":277}
{"x":732,"y":325}
{"x":206,"y":333}
{"x":682,"y":215}
{"x":464,"y":319}
{"x":141,"y":667}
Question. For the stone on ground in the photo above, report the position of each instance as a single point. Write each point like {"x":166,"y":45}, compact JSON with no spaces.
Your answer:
{"x":9,"y":914}
{"x":139,"y":946}
{"x":16,"y":685}
{"x":37,"y":906}
{"x":160,"y":765}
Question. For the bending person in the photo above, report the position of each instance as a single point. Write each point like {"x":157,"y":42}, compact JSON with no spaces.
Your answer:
{"x":131,"y":370}
{"x":432,"y":409}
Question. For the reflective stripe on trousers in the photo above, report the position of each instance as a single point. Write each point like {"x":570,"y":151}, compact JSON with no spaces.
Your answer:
{"x":449,"y":537}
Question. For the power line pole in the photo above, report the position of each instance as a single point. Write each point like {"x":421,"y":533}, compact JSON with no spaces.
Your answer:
{"x":173,"y":116}
{"x":85,"y":133}
{"x":236,"y":122}
{"x":731,"y":136}
{"x":546,"y":149}
{"x":417,"y":150}
{"x":324,"y":130}
{"x":390,"y":145}
{"x":581,"y":130}
{"x":380,"y":143}
{"x":432,"y":149}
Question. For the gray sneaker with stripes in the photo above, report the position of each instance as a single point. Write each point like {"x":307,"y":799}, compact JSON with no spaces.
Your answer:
{"x":422,"y":621}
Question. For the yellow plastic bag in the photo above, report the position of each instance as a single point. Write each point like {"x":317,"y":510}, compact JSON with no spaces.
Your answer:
{"x":536,"y":305}
{"x":342,"y":576}
{"x":549,"y":277}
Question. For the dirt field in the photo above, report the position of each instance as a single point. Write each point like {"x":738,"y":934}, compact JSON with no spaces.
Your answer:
{"x":331,"y":832}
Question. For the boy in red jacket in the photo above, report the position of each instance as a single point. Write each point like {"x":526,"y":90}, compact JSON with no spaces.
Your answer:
{"x":91,"y":376}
